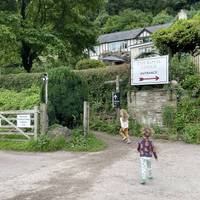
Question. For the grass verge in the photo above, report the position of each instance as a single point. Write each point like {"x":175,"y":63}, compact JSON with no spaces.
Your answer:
{"x":44,"y":144}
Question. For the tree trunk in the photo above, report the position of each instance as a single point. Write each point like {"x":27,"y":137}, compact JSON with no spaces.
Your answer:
{"x":26,"y":55}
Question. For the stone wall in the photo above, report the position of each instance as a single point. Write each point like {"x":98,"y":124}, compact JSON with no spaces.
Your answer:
{"x":146,"y":106}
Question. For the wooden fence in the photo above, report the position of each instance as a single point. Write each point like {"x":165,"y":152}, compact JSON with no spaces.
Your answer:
{"x":196,"y":60}
{"x":25,"y":122}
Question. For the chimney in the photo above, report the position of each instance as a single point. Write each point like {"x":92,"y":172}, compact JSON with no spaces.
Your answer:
{"x":182,"y":14}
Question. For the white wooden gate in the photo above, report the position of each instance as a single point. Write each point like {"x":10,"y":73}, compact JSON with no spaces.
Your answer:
{"x":11,"y":122}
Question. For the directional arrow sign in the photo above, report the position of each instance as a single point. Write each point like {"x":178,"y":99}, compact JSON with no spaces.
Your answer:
{"x":149,"y":71}
{"x":154,"y":78}
{"x":116,"y":99}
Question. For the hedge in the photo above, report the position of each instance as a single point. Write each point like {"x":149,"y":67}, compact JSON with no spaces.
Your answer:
{"x":65,"y":88}
{"x":67,"y":92}
{"x":89,"y":64}
{"x":100,"y":94}
{"x":21,"y":81}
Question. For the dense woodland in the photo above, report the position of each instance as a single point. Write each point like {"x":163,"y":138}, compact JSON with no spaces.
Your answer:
{"x":53,"y":33}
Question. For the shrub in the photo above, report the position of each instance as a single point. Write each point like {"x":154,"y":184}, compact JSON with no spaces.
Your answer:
{"x":44,"y":144}
{"x":192,"y":133}
{"x":169,"y":116}
{"x":98,"y":124}
{"x":80,"y":143}
{"x":134,"y":128}
{"x":187,"y":112}
{"x":21,"y":81}
{"x":182,"y":66}
{"x":101,"y":92}
{"x":88,"y":64}
{"x":12,"y":100}
{"x":67,"y":91}
{"x":192,"y":83}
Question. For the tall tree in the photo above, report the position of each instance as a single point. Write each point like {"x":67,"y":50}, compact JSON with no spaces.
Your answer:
{"x":182,"y":37}
{"x":62,"y":27}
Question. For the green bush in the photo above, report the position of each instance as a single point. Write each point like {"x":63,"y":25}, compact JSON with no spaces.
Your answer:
{"x":134,"y":128}
{"x":67,"y":91}
{"x":192,"y":83}
{"x":45,"y":144}
{"x":100,"y":94}
{"x":80,"y":143}
{"x":169,"y":116}
{"x":88,"y":64}
{"x":12,"y":100}
{"x":182,"y":66}
{"x":21,"y":81}
{"x":187,"y":112}
{"x":99,"y":124}
{"x":11,"y":70}
{"x":192,"y":133}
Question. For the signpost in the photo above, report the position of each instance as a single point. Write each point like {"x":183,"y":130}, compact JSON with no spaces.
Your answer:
{"x":149,"y":71}
{"x":116,"y":95}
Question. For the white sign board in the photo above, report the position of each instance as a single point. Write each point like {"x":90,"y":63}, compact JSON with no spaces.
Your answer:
{"x":148,"y":71}
{"x":23,"y":121}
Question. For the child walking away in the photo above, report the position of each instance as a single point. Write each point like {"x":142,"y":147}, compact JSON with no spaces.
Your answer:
{"x":146,"y":149}
{"x":124,"y":126}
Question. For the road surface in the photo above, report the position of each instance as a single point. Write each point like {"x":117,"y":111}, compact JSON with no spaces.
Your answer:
{"x":112,"y":174}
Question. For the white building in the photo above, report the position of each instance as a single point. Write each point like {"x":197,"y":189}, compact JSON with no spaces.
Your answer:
{"x":139,"y":40}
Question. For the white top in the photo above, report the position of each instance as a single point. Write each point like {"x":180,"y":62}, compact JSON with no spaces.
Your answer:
{"x":124,"y":124}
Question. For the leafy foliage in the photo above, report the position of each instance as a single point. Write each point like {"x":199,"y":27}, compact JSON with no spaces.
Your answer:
{"x":80,"y":143}
{"x":46,"y":27}
{"x":182,"y":66}
{"x":192,"y":133}
{"x":162,"y":18}
{"x":88,"y":64}
{"x":169,"y":116}
{"x":183,"y":37}
{"x":12,"y":100}
{"x":67,"y":91}
{"x":128,"y":19}
{"x":44,"y":144}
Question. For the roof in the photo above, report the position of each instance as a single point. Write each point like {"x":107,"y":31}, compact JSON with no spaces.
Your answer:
{"x":113,"y":58}
{"x":126,"y":35}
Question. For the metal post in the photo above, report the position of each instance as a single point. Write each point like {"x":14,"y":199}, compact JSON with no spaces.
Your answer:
{"x":117,"y":90}
{"x":45,"y":79}
{"x":85,"y":118}
{"x":46,"y":91}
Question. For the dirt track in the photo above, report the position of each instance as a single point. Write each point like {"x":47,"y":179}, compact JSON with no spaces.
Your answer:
{"x":112,"y":174}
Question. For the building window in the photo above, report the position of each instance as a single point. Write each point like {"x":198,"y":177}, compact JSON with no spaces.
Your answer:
{"x":146,"y":39}
{"x":124,"y":45}
{"x":114,"y":46}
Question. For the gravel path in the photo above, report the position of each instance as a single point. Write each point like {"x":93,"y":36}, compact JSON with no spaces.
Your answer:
{"x":112,"y":174}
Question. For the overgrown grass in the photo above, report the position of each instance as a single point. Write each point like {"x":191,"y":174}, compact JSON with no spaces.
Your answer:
{"x":112,"y":126}
{"x":80,"y":143}
{"x":12,"y":136}
{"x":44,"y":144}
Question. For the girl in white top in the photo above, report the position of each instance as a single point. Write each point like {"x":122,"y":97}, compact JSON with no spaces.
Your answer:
{"x":124,"y":125}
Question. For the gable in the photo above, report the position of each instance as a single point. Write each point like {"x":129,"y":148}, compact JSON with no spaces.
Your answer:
{"x":144,"y":33}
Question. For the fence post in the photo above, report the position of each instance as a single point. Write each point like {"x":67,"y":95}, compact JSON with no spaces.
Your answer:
{"x":85,"y":118}
{"x":35,"y":122}
{"x":43,"y":119}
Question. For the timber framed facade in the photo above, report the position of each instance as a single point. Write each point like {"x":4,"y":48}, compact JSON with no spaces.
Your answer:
{"x":122,"y":42}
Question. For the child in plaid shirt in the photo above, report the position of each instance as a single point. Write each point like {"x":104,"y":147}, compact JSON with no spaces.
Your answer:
{"x":146,"y":149}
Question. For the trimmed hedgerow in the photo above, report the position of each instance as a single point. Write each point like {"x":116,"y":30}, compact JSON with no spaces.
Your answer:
{"x":21,"y":81}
